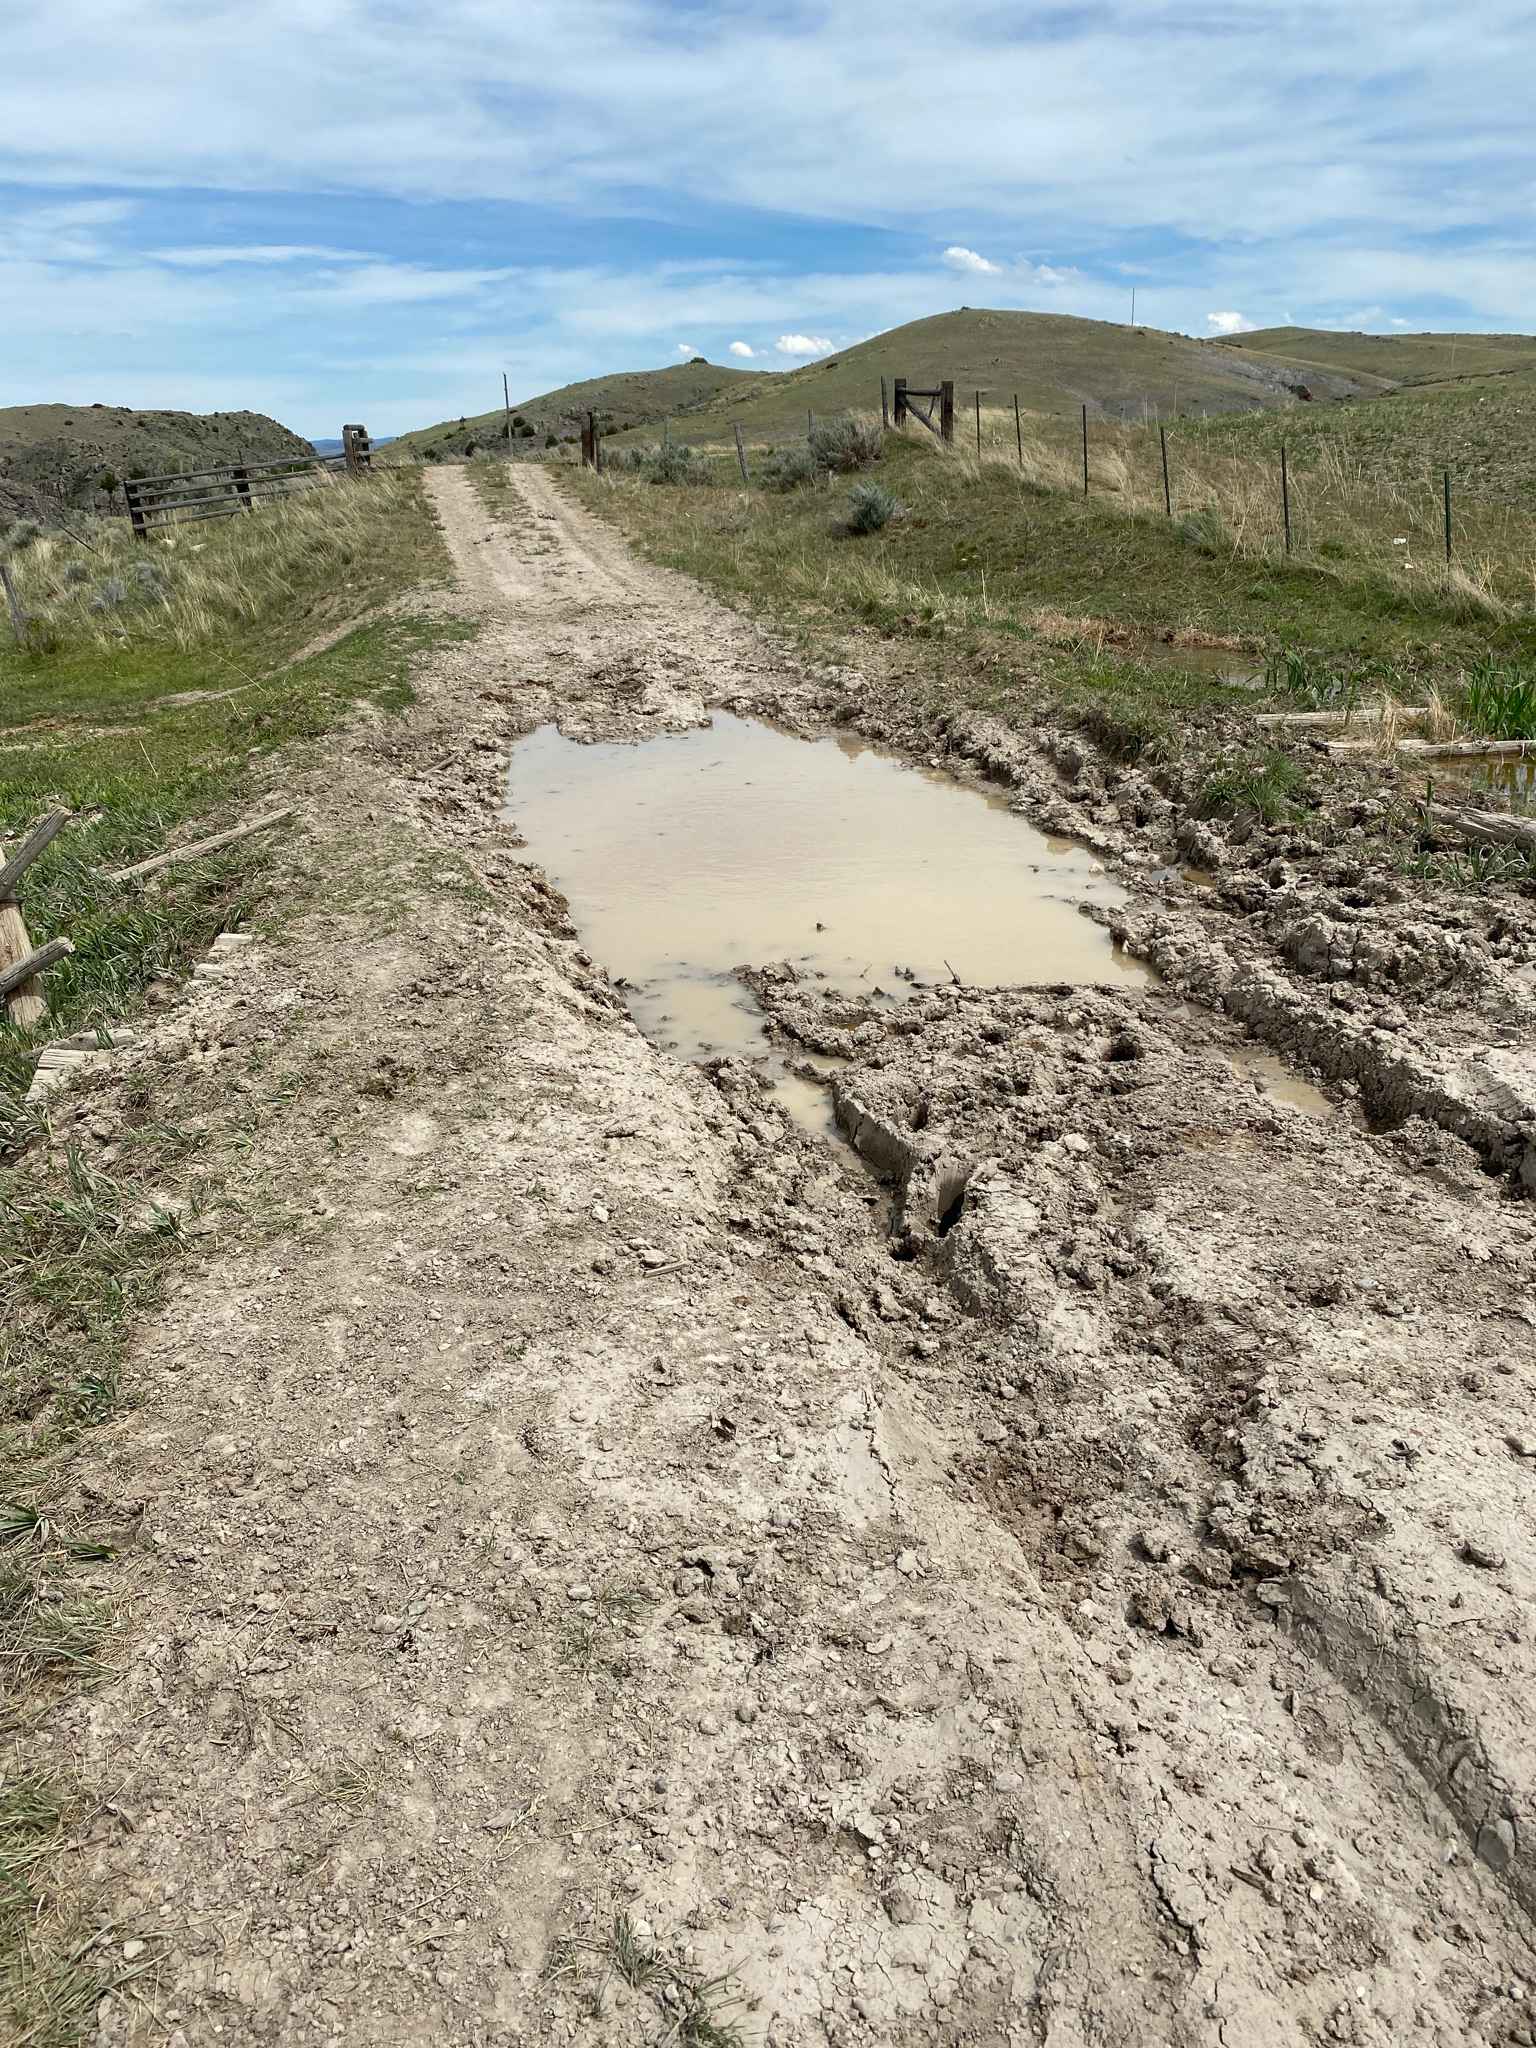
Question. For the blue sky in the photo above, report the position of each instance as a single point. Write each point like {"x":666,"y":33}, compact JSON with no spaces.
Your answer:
{"x":368,"y":209}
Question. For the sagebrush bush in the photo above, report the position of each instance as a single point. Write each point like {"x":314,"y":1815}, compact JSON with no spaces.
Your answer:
{"x":787,"y":468}
{"x":676,"y":463}
{"x":672,"y":463}
{"x":870,"y":506}
{"x":846,"y":443}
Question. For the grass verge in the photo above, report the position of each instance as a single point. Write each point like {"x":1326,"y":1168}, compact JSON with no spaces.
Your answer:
{"x":1009,"y":593}
{"x":143,"y":719}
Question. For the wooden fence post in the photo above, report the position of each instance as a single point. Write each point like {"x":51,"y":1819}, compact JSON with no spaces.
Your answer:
{"x":899,"y":399}
{"x":741,"y":456}
{"x":978,"y":430}
{"x":1162,"y":435}
{"x":810,"y":425}
{"x":885,"y":409}
{"x":24,"y":1001}
{"x":136,"y":510}
{"x":357,"y":449}
{"x":13,"y":601}
{"x":240,"y":477}
{"x":947,"y":411}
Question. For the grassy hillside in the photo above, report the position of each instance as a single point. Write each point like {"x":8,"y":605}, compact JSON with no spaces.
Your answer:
{"x":630,"y":398}
{"x":61,"y":456}
{"x":1053,"y":362}
{"x":1395,"y":358}
{"x":1482,"y":429}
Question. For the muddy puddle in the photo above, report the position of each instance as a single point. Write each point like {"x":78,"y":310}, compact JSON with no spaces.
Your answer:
{"x":735,"y":844}
{"x":1278,"y":1082}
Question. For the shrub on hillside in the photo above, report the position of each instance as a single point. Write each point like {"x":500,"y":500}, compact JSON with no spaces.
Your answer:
{"x":672,"y":463}
{"x":846,"y":443}
{"x":870,"y":506}
{"x":787,"y":468}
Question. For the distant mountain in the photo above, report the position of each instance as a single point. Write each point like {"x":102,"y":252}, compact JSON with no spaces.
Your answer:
{"x":630,"y":398}
{"x":55,"y":457}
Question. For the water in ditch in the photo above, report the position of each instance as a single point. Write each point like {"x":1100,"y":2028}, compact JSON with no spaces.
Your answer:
{"x":695,"y":853}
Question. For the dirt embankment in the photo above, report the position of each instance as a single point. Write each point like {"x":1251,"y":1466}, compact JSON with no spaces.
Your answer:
{"x":1080,"y":1594}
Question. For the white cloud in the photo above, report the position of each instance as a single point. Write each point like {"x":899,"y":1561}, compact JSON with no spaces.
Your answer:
{"x":967,"y":259}
{"x":686,"y":348}
{"x":803,"y":345}
{"x":1229,"y":323}
{"x":740,"y":348}
{"x":255,"y":252}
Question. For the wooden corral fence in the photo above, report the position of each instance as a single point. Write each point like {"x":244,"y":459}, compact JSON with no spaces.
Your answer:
{"x":943,"y":397}
{"x":232,"y":487}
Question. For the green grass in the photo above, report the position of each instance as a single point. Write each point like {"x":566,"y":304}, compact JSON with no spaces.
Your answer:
{"x":1499,"y":699}
{"x":1482,"y":430}
{"x":1253,"y":785}
{"x":983,"y":556}
{"x":54,"y":1970}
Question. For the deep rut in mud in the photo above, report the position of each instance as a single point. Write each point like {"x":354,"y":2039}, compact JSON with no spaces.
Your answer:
{"x":1075,"y":1592}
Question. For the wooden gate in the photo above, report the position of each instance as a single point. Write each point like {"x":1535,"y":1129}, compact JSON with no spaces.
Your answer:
{"x":943,"y":397}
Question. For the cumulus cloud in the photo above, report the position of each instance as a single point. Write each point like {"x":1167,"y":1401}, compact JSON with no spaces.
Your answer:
{"x":803,"y":345}
{"x":1229,"y":323}
{"x":741,"y":348}
{"x":686,"y":348}
{"x":967,"y":259}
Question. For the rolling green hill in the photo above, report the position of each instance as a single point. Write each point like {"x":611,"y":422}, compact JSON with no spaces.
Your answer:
{"x":1054,"y":362}
{"x":55,"y":457}
{"x":630,"y":398}
{"x":1481,"y":429}
{"x":1394,"y":358}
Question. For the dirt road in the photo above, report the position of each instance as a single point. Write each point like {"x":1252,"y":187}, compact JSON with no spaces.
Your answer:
{"x":610,"y":1570}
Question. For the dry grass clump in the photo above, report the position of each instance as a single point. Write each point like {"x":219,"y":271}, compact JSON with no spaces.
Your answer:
{"x":187,"y":584}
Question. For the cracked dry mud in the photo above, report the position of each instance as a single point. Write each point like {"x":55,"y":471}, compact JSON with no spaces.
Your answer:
{"x":1074,"y":1590}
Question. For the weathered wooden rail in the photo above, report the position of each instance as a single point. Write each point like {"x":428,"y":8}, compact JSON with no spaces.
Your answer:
{"x":185,"y":496}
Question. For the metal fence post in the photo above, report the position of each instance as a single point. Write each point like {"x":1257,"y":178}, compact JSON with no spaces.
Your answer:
{"x":1285,"y":495}
{"x":1447,"y":519}
{"x":978,"y":429}
{"x":1162,"y":435}
{"x":1085,"y":451}
{"x":1018,"y":429}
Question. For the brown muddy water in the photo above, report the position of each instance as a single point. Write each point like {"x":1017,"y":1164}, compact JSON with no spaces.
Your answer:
{"x":692,"y":854}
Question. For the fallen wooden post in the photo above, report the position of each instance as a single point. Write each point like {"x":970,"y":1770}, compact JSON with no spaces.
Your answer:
{"x":1362,"y":714}
{"x":1468,"y":750}
{"x":1491,"y":828}
{"x":12,"y":978}
{"x":201,"y":846}
{"x":42,"y":835}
